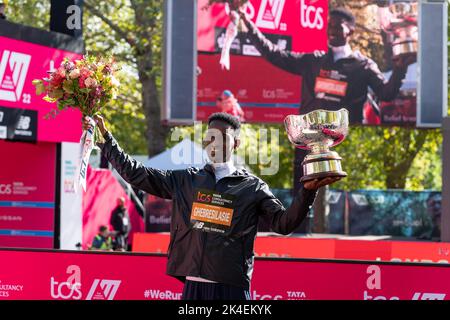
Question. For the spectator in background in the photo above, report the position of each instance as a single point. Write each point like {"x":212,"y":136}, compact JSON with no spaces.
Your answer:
{"x":434,"y":211}
{"x":229,"y":104}
{"x":103,"y":240}
{"x":120,"y":221}
{"x":2,"y":10}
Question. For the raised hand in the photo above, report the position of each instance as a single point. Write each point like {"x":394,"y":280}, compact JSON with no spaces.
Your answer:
{"x":317,"y":183}
{"x":100,"y":123}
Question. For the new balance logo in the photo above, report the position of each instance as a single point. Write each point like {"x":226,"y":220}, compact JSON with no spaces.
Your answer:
{"x":270,"y":13}
{"x":24,"y":123}
{"x":13,"y":72}
{"x":428,"y":296}
{"x":105,"y":291}
{"x":198,"y":225}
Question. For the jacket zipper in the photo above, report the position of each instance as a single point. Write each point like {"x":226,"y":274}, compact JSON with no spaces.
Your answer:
{"x":204,"y":236}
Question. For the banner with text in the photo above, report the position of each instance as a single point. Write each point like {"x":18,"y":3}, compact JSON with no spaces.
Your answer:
{"x":20,"y":63}
{"x":103,"y":276}
{"x":27,"y":194}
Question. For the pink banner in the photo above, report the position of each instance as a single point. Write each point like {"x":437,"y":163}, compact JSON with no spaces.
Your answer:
{"x":304,"y":21}
{"x":22,"y":62}
{"x":28,"y":171}
{"x":27,"y":194}
{"x":268,"y":97}
{"x":103,"y":276}
{"x":293,"y":247}
{"x":99,"y":201}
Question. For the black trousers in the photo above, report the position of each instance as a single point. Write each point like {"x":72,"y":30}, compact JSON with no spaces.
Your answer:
{"x":194,"y":290}
{"x":121,"y":242}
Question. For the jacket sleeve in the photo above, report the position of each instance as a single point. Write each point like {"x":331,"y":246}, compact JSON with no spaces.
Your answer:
{"x":153,"y":181}
{"x":285,"y":221}
{"x":116,"y":222}
{"x":96,"y":243}
{"x":292,"y":62}
{"x":385,"y":90}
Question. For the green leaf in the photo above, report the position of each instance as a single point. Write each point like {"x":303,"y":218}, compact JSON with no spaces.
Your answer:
{"x":68,"y":86}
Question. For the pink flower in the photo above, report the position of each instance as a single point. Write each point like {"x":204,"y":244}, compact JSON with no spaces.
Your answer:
{"x":61,"y":72}
{"x":74,"y":74}
{"x":90,"y":82}
{"x":81,"y":83}
{"x":85,"y":72}
{"x":107,"y":69}
{"x":69,"y":65}
{"x":56,"y":80}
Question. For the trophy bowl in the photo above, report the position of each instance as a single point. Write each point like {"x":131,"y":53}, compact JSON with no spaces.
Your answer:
{"x":318,"y":131}
{"x":402,"y":27}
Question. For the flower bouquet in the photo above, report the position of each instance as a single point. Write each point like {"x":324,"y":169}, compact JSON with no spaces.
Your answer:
{"x":88,"y":85}
{"x":232,"y":28}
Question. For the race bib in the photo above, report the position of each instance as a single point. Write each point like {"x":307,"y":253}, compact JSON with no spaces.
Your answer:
{"x":330,"y":86}
{"x":212,"y":211}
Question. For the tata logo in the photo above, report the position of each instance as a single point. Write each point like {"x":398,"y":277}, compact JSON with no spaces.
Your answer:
{"x":270,"y":13}
{"x":103,"y":289}
{"x":311,"y":16}
{"x":13,"y":72}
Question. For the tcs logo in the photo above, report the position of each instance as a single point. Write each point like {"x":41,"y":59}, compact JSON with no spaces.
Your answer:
{"x":311,"y":16}
{"x":203,"y":197}
{"x":5,"y":189}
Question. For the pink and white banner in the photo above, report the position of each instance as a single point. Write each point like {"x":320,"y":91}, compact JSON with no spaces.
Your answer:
{"x":303,"y":21}
{"x":100,"y":199}
{"x":49,"y":275}
{"x":27,"y":194}
{"x":20,"y":63}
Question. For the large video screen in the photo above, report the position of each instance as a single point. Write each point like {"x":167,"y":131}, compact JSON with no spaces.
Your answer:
{"x":298,"y":56}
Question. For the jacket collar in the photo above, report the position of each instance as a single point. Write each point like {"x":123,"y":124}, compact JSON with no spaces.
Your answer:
{"x":237,"y":173}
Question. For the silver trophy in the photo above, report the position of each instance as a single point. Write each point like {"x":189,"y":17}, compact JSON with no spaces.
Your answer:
{"x":399,"y":22}
{"x":318,"y":131}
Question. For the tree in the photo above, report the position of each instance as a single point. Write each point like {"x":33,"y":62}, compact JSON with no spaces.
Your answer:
{"x":392,"y":158}
{"x":33,"y":13}
{"x":136,"y":27}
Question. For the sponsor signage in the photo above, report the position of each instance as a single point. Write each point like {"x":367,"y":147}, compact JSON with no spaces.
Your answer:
{"x":20,"y":63}
{"x":63,"y":275}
